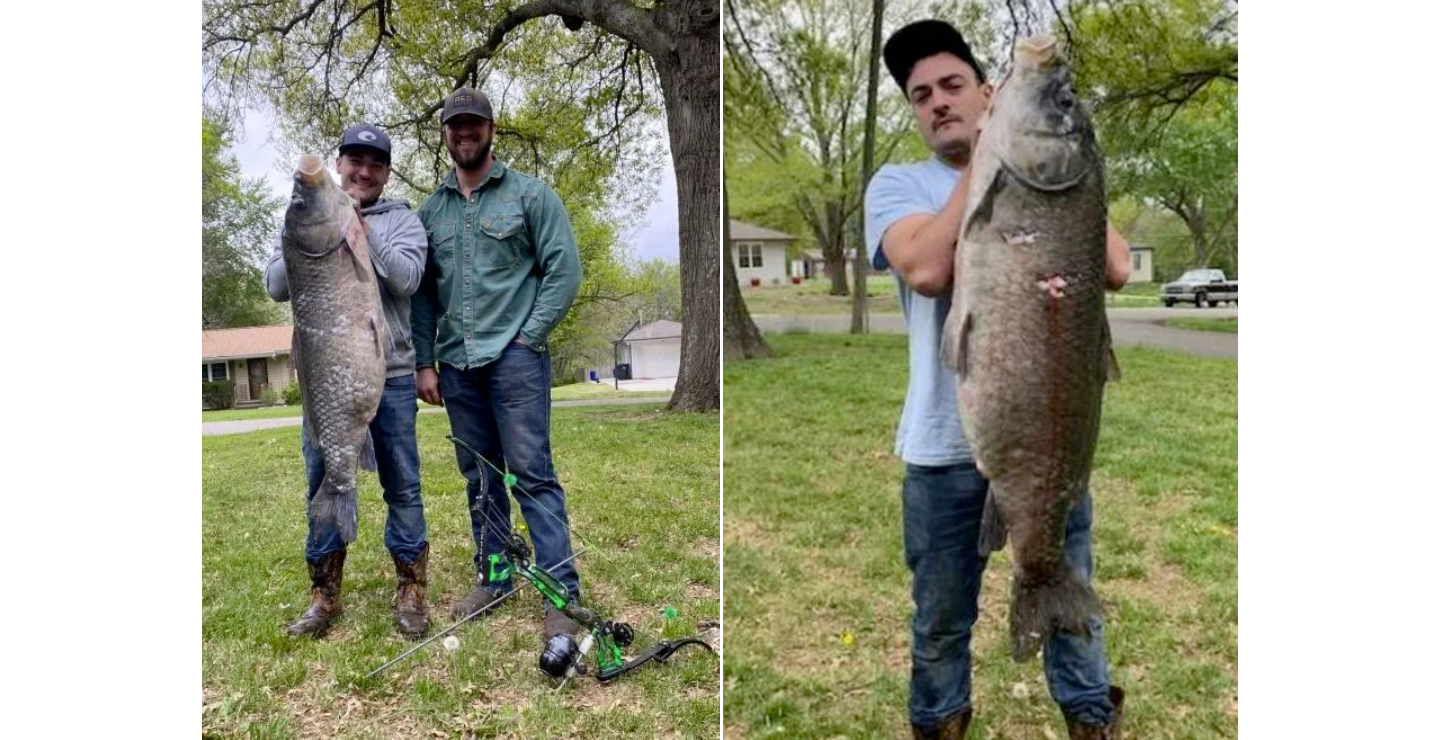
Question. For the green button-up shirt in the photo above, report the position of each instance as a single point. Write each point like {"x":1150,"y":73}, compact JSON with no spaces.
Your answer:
{"x":501,"y":263}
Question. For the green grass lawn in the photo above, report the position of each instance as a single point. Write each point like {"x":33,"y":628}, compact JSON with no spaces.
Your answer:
{"x":813,"y":551}
{"x":1229,"y":326}
{"x":571,"y":392}
{"x":1135,"y":295}
{"x":812,"y":297}
{"x":643,"y":492}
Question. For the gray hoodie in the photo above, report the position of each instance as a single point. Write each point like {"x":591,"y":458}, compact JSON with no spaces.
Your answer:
{"x":397,"y":247}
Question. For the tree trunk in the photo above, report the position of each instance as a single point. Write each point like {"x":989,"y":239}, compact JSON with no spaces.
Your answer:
{"x":835,"y":248}
{"x":742,"y":337}
{"x":690,"y":78}
{"x":858,"y":315}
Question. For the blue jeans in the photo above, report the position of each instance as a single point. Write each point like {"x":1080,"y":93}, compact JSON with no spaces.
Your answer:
{"x":503,"y":410}
{"x":398,"y":464}
{"x":942,"y":507}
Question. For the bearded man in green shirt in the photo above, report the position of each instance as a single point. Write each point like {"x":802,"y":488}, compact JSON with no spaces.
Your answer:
{"x":501,"y":272}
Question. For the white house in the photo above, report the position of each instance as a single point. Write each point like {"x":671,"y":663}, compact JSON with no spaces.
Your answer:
{"x":1142,"y":265}
{"x":759,"y":254}
{"x":651,"y":351}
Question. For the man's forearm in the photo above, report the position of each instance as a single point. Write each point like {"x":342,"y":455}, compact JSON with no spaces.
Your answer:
{"x":921,"y":249}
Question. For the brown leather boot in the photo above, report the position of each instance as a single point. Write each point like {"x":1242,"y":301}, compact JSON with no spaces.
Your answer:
{"x":1100,"y":732}
{"x":558,"y":623}
{"x":325,"y":577}
{"x":950,"y":728}
{"x":411,"y":615}
{"x":477,"y":600}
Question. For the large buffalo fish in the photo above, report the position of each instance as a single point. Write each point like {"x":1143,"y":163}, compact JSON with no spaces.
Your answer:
{"x":340,"y":335}
{"x":1027,"y":334}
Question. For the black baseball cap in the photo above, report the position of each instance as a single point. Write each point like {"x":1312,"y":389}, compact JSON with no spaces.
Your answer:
{"x":923,"y":39}
{"x":367,"y":136}
{"x":466,"y":100}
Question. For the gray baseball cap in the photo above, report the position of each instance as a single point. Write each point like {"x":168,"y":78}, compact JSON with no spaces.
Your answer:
{"x":466,"y":100}
{"x":367,"y":136}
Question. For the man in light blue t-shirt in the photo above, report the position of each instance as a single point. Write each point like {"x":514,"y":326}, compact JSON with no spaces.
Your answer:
{"x":912,"y":223}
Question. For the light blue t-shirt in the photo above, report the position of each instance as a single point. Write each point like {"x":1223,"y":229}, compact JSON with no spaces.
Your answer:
{"x":930,"y":432}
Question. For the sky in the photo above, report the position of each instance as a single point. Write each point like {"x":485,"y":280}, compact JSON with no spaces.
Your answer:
{"x":655,"y":235}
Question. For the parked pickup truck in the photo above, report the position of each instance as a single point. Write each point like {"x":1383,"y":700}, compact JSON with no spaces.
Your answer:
{"x":1201,"y":286}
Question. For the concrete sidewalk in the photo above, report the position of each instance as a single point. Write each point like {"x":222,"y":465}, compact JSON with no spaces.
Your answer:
{"x":241,"y":426}
{"x":1128,"y":327}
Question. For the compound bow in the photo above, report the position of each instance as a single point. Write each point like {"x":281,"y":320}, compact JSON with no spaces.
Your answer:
{"x":563,"y":657}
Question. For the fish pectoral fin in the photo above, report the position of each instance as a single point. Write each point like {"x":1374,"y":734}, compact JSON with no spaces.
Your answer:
{"x":1111,"y":366}
{"x":992,"y":526}
{"x":955,"y":341}
{"x":362,"y":271}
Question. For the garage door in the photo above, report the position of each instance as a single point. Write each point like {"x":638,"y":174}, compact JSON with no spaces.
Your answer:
{"x":657,"y":359}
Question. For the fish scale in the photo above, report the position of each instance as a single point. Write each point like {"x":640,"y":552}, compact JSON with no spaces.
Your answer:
{"x":1027,"y":333}
{"x":339,"y":326}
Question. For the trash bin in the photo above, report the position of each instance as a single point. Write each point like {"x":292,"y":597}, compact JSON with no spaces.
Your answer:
{"x":594,"y":377}
{"x":622,"y":372}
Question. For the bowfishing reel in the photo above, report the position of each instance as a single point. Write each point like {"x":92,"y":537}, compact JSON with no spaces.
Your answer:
{"x":563,"y":657}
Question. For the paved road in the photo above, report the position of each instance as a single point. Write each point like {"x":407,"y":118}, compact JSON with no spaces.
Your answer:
{"x":209,"y":428}
{"x":1128,"y":326}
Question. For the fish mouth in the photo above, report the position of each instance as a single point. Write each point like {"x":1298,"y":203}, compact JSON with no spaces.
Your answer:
{"x":310,"y":171}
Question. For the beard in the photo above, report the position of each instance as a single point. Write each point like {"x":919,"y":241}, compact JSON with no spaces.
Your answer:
{"x":957,"y":151}
{"x":474,"y":162}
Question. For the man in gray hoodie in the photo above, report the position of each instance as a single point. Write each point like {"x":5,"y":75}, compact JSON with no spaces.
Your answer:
{"x":397,"y":247}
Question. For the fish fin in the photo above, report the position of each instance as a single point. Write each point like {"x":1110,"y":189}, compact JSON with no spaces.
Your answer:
{"x":1111,"y":365}
{"x":992,"y":525}
{"x":367,"y":453}
{"x":955,"y":341}
{"x":1037,"y":610}
{"x":383,"y":341}
{"x":978,"y":214}
{"x":337,"y":506}
{"x":359,"y":250}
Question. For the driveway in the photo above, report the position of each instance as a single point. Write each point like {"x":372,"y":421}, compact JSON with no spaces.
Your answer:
{"x":210,"y":428}
{"x":1128,"y":327}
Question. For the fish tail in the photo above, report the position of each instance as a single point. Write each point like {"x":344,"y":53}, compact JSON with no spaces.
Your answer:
{"x":339,"y":506}
{"x":1038,"y":610}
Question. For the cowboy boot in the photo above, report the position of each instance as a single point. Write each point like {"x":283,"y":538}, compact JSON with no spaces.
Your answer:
{"x":325,"y":576}
{"x":411,"y":615}
{"x":1109,"y":731}
{"x":950,"y":728}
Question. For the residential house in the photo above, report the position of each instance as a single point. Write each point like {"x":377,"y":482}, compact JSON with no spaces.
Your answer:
{"x":1142,"y":265}
{"x":257,"y":358}
{"x":759,"y":254}
{"x":650,"y":351}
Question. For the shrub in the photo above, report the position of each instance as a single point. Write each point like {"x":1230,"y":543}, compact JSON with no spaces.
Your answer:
{"x":270,"y":397}
{"x":291,"y":394}
{"x":219,"y":394}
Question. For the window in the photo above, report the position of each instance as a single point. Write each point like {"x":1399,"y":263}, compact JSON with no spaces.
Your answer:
{"x":749,"y":255}
{"x":755,"y":259}
{"x":212,"y":372}
{"x":1135,"y":261}
{"x":744,"y":254}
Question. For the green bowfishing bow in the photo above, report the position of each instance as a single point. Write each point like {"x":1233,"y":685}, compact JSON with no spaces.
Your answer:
{"x":562,"y":657}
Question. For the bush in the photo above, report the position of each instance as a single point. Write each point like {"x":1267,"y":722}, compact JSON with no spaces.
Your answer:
{"x":219,"y":394}
{"x":270,"y":397}
{"x":291,"y":394}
